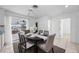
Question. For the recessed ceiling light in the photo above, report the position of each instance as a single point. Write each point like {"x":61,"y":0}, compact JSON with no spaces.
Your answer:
{"x":66,"y":6}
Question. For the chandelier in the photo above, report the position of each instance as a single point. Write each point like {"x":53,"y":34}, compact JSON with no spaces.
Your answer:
{"x":32,"y":12}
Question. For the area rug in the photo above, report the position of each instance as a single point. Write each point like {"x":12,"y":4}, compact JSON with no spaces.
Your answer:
{"x":31,"y":50}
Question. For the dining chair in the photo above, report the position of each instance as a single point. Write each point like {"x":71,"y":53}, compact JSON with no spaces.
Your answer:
{"x":27,"y":31}
{"x":46,"y":33}
{"x":48,"y":46}
{"x":40,"y":32}
{"x":23,"y":45}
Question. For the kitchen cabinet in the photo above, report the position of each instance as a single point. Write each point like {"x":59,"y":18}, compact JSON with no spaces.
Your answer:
{"x":1,"y":41}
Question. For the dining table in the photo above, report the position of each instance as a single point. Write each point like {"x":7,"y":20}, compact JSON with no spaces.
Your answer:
{"x":36,"y":39}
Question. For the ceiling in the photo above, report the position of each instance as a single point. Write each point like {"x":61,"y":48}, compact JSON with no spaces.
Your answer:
{"x":49,"y":10}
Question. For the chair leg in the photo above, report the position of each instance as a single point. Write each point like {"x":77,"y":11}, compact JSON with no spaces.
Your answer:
{"x":25,"y":50}
{"x":19,"y":48}
{"x":52,"y":50}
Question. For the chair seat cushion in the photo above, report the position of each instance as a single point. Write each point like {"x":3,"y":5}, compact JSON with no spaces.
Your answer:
{"x":42,"y":46}
{"x":28,"y":45}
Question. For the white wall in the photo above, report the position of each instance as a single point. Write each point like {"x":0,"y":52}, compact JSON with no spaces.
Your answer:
{"x":31,"y":22}
{"x":43,"y":23}
{"x":55,"y":27}
{"x":75,"y":28}
{"x":2,"y":12}
{"x":1,"y":20}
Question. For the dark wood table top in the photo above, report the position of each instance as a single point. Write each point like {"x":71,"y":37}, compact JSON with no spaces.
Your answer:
{"x":34,"y":38}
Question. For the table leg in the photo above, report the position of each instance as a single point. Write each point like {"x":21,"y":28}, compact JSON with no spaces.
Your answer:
{"x":35,"y":48}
